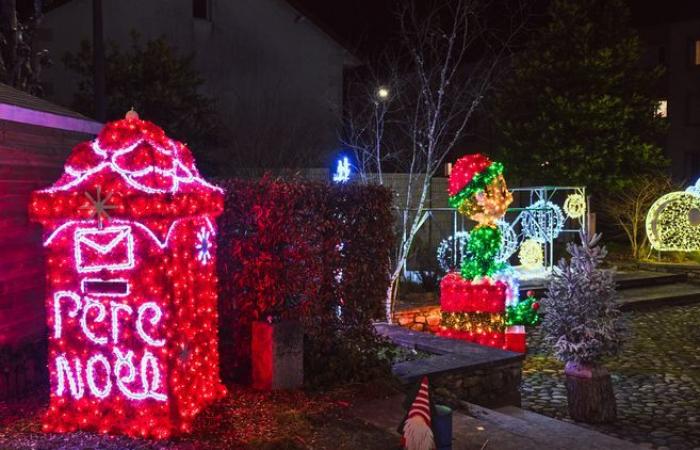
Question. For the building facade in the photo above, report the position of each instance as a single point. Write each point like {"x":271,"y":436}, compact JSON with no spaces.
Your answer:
{"x":277,"y":78}
{"x":676,"y":46}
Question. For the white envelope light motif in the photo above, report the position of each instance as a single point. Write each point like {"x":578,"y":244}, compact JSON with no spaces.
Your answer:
{"x":110,"y":248}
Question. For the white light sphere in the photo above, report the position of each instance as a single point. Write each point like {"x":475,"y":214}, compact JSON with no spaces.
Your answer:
{"x":446,"y":254}
{"x":543,"y":221}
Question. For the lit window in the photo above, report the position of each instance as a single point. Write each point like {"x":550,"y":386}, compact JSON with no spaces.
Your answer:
{"x":697,"y":53}
{"x":662,"y":108}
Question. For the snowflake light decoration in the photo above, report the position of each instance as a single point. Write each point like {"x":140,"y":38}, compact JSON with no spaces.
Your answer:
{"x":543,"y":222}
{"x":203,"y":245}
{"x":575,"y":206}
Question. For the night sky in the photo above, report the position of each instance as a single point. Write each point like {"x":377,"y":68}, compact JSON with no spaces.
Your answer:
{"x":364,"y":26}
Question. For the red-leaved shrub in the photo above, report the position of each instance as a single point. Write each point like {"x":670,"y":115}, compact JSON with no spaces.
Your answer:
{"x":310,"y":251}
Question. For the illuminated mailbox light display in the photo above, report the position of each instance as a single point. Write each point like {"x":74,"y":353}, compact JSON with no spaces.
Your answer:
{"x":131,"y":285}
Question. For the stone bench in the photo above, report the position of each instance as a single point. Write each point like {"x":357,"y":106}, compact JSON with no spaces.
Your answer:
{"x":459,"y":370}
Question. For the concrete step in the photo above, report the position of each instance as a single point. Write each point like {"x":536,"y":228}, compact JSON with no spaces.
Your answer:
{"x":625,"y":280}
{"x":489,"y":429}
{"x":661,"y":295}
{"x":549,"y":433}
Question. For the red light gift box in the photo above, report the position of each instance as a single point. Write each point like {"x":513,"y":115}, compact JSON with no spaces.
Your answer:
{"x":131,"y":285}
{"x":460,"y":295}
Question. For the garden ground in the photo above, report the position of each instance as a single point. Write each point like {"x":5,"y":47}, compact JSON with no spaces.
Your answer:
{"x":656,"y":380}
{"x":244,"y":419}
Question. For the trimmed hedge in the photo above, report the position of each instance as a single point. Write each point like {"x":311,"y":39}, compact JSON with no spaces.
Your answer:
{"x":310,"y":251}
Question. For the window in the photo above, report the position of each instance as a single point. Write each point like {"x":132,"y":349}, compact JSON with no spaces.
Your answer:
{"x":696,"y":53}
{"x":200,"y":9}
{"x":662,"y":108}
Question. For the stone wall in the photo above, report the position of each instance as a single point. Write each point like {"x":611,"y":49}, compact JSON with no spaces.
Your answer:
{"x":424,"y":318}
{"x":493,"y":387}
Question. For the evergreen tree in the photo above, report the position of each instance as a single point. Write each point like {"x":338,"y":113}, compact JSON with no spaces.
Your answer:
{"x":582,"y":319}
{"x":578,"y":108}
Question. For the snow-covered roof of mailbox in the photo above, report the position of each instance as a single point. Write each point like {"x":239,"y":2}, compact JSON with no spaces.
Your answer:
{"x":136,"y":170}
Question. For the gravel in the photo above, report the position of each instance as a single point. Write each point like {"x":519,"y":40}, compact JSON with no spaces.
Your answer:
{"x":656,"y":380}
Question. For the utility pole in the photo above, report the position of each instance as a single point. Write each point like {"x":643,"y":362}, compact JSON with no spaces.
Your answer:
{"x":98,"y":61}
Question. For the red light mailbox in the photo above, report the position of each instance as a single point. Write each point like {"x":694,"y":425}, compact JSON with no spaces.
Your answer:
{"x":131,"y":298}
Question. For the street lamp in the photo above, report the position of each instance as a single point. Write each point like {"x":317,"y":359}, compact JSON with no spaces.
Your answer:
{"x":382,"y":93}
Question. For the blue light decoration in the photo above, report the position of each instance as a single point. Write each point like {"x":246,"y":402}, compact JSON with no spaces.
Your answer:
{"x":342,"y":171}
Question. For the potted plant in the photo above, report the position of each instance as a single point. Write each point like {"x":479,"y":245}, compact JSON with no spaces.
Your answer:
{"x":582,"y":322}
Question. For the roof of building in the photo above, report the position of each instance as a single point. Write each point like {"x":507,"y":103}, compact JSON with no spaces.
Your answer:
{"x":19,"y":106}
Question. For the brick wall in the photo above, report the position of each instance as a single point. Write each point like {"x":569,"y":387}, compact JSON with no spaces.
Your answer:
{"x":31,"y":157}
{"x":424,"y":318}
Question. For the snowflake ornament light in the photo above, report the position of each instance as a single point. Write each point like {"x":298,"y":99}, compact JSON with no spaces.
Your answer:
{"x":203,"y":246}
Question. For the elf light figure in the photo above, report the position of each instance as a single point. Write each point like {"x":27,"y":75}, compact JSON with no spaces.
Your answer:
{"x":480,"y":303}
{"x":131,"y":285}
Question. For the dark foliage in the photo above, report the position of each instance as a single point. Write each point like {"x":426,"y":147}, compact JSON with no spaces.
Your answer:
{"x":282,"y":249}
{"x":158,"y":82}
{"x":21,"y":61}
{"x":578,"y":108}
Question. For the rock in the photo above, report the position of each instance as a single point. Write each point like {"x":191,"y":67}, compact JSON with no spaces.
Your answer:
{"x":405,"y":320}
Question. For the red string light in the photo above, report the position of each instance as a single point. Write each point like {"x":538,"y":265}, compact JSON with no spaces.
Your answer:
{"x":131,"y":304}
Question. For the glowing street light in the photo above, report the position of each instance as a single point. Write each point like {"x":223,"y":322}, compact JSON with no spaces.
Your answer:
{"x":382,"y":93}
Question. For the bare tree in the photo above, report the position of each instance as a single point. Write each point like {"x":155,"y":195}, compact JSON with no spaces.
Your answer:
{"x":629,"y":207}
{"x":20,"y":61}
{"x":434,"y":88}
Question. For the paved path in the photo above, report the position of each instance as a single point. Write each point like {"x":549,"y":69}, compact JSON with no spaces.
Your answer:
{"x":497,"y":431}
{"x":656,"y":380}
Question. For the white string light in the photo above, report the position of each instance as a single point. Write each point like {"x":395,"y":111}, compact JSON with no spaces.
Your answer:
{"x":75,"y":380}
{"x":90,"y":303}
{"x":509,"y":241}
{"x":155,"y":318}
{"x":116,"y":307}
{"x":57,"y":316}
{"x":445,"y":251}
{"x":97,"y":392}
{"x":86,"y":236}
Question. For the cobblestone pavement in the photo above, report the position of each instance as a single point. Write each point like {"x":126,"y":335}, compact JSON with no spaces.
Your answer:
{"x":656,"y":380}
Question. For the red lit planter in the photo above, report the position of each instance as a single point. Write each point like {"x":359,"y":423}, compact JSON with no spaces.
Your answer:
{"x":460,"y":295}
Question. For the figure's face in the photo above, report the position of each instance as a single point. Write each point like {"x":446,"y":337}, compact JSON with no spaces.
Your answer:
{"x":489,"y":205}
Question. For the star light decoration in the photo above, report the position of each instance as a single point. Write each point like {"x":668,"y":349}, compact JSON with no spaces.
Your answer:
{"x":98,"y":205}
{"x":575,"y":206}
